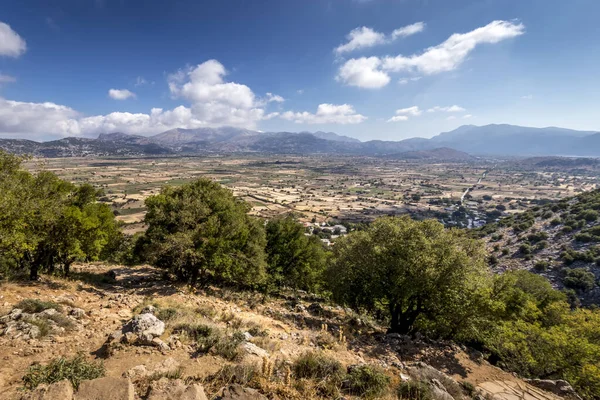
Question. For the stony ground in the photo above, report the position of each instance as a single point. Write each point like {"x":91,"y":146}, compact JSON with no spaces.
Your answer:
{"x":100,"y":301}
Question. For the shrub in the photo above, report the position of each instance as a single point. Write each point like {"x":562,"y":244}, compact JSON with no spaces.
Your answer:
{"x":209,"y":338}
{"x":541,"y":266}
{"x":42,"y":325}
{"x":588,"y":215}
{"x":317,"y":366}
{"x":580,"y":279}
{"x":415,"y":390}
{"x":166,"y":314}
{"x":468,"y":387}
{"x":61,"y":321}
{"x":33,"y":306}
{"x":585,"y":237}
{"x":367,"y":381}
{"x":195,"y":332}
{"x":76,"y":370}
{"x":542,"y":245}
{"x":229,"y":347}
{"x":525,"y":248}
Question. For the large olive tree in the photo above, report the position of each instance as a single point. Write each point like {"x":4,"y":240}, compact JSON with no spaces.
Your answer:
{"x":413,"y":271}
{"x":294,"y":259}
{"x":200,"y":231}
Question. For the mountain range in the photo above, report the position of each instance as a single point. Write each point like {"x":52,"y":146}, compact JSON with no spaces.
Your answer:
{"x":501,"y":140}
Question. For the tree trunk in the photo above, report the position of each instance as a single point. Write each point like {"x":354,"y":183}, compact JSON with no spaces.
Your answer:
{"x":194,"y":277}
{"x":402,"y":322}
{"x":33,"y":272}
{"x":67,"y":268}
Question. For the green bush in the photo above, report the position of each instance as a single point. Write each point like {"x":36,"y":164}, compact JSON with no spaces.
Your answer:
{"x":318,"y":366}
{"x":75,"y":370}
{"x":541,"y":266}
{"x":580,"y":279}
{"x":415,"y":390}
{"x":166,"y":314}
{"x":210,"y":338}
{"x":525,"y":248}
{"x":366,"y":381}
{"x":33,"y":306}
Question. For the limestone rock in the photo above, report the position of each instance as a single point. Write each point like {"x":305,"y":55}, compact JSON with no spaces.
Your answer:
{"x":559,"y":387}
{"x":144,"y":325}
{"x":21,"y":330}
{"x":77,"y":313}
{"x":61,"y":390}
{"x":238,"y":392}
{"x":251,"y":348}
{"x":107,"y":388}
{"x":165,"y":389}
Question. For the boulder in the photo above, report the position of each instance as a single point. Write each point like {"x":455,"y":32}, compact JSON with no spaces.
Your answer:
{"x":144,"y":325}
{"x":129,"y":338}
{"x":140,"y":371}
{"x":164,"y":389}
{"x":238,"y":392}
{"x":107,"y":388}
{"x":251,"y":348}
{"x":21,"y":330}
{"x":14,"y":315}
{"x":62,"y":390}
{"x":439,"y":391}
{"x":77,"y":313}
{"x":559,"y":387}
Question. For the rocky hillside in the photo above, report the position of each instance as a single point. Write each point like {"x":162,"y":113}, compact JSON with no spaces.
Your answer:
{"x":126,"y":333}
{"x":560,"y":240}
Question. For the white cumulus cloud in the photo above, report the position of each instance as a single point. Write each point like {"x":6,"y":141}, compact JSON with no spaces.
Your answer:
{"x":360,"y":38}
{"x":397,"y":118}
{"x":414,"y":111}
{"x":120,"y":94}
{"x":11,"y":44}
{"x":326,"y":114}
{"x":444,"y":57}
{"x":364,"y":37}
{"x":402,"y":114}
{"x":363,"y":72}
{"x":212,"y":102}
{"x":18,"y":118}
{"x":274,"y":98}
{"x":452,"y":52}
{"x":408,"y":30}
{"x":450,"y":109}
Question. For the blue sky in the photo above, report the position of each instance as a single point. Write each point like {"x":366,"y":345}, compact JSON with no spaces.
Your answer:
{"x":372,"y":69}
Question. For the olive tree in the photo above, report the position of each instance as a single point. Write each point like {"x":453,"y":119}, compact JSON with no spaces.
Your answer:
{"x":200,"y":231}
{"x":294,"y":259}
{"x":413,"y":272}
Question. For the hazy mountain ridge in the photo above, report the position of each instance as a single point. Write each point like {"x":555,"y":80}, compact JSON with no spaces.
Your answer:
{"x":506,"y":140}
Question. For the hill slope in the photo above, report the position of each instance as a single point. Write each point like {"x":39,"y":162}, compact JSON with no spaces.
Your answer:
{"x":560,"y":240}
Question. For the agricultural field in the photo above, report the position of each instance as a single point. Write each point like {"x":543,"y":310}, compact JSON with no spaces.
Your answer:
{"x":331,"y":189}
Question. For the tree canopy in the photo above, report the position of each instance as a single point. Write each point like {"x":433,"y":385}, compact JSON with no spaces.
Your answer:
{"x":46,"y":221}
{"x":200,"y":231}
{"x":411,"y":270}
{"x":294,"y":259}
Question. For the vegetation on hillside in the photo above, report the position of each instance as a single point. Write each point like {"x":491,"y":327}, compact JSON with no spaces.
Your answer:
{"x":416,"y":276}
{"x":47,"y":223}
